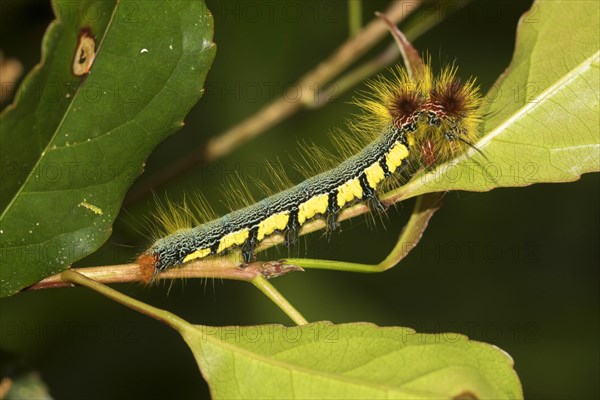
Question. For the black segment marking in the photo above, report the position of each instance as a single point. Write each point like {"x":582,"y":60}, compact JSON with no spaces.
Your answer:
{"x":249,"y":245}
{"x":370,"y":194}
{"x":215,"y":246}
{"x":384,"y":167}
{"x":292,"y":229}
{"x":367,"y":190}
{"x":333,"y":211}
{"x":433,"y":119}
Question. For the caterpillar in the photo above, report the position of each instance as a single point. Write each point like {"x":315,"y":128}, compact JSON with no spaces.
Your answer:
{"x":410,"y":121}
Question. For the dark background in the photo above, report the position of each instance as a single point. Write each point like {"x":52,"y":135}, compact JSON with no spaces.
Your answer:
{"x":515,"y":267}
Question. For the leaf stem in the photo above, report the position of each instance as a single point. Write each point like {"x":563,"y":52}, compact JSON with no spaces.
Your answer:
{"x":164,"y":316}
{"x":73,"y":277}
{"x":269,"y":290}
{"x":354,"y":16}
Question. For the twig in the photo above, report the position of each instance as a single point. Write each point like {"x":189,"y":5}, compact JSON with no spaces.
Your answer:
{"x":222,"y":268}
{"x":323,"y":73}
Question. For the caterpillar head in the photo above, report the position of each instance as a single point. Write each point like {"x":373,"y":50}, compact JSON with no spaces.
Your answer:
{"x":449,"y":119}
{"x":440,"y":116}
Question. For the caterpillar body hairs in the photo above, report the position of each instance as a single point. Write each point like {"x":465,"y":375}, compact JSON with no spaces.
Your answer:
{"x":413,"y":120}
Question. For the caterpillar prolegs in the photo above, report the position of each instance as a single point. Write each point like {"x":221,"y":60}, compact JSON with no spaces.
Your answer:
{"x":410,"y":121}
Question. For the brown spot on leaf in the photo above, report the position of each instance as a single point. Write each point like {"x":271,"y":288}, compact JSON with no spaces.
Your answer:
{"x":84,"y":53}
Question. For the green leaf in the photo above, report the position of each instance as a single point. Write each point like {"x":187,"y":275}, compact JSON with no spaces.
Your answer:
{"x":543,"y":120}
{"x":72,"y":146}
{"x":359,"y":360}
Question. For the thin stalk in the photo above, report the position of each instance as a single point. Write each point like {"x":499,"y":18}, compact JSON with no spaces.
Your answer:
{"x":164,"y":316}
{"x":269,"y":290}
{"x":354,"y":16}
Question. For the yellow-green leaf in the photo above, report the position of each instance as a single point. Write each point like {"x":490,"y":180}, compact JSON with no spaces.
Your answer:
{"x":359,"y":360}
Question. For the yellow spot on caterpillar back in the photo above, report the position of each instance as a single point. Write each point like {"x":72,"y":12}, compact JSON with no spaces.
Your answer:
{"x":271,"y":224}
{"x":197,"y":254}
{"x":349,"y":191}
{"x":313,"y":206}
{"x":233,"y":239}
{"x":374,"y":174}
{"x":394,"y":158}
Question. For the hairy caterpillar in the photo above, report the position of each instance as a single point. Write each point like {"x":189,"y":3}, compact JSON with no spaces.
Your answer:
{"x":410,"y":121}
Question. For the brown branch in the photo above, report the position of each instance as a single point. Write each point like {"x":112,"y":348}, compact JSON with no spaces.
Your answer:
{"x":221,"y":268}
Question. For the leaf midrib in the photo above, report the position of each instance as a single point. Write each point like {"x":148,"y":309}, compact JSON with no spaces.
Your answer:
{"x":572,"y":75}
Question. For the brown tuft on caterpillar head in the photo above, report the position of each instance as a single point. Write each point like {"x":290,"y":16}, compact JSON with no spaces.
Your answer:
{"x":147,"y":263}
{"x":451,"y":97}
{"x":404,"y":105}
